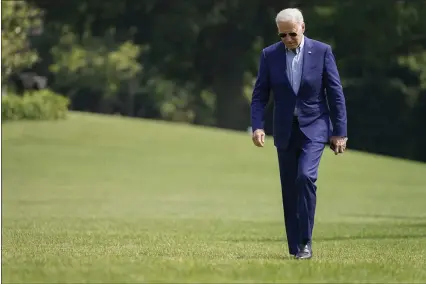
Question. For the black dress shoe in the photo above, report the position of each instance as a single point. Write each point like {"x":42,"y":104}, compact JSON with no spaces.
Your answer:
{"x":305,"y":252}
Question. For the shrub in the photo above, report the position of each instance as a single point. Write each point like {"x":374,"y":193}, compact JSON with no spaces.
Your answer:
{"x":34,"y":105}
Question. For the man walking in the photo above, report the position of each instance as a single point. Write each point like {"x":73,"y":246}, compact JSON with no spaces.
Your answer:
{"x":309,"y":111}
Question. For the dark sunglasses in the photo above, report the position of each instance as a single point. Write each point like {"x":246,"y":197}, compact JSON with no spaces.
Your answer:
{"x":283,"y":35}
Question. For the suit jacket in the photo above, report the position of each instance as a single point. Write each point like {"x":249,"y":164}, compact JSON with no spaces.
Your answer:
{"x":320,"y":100}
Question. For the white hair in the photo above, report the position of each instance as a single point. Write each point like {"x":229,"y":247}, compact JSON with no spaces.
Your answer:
{"x":290,"y":14}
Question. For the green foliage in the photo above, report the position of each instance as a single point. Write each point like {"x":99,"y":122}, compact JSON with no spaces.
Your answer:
{"x":95,"y":63}
{"x":416,"y":62}
{"x":37,"y":105}
{"x":203,"y":57}
{"x":18,"y":19}
{"x":173,"y":102}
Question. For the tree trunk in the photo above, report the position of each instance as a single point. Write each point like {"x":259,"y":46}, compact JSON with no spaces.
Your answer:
{"x":227,"y":78}
{"x":132,"y":88}
{"x":232,"y":108}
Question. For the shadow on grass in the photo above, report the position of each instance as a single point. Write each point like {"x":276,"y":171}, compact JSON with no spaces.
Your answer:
{"x":400,"y":232}
{"x":372,"y":237}
{"x":334,"y":238}
{"x":218,"y":255}
{"x":415,"y":225}
{"x":393,"y":217}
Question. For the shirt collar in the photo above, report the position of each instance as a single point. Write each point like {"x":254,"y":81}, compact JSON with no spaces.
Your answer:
{"x":300,"y":47}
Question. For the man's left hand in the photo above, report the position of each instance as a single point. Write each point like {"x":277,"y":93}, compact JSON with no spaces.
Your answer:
{"x":338,"y":144}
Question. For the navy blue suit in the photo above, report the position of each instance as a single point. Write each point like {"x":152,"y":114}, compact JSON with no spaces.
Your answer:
{"x":300,"y":140}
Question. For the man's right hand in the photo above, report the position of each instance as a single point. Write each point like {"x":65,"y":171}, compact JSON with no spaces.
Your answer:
{"x":258,"y":137}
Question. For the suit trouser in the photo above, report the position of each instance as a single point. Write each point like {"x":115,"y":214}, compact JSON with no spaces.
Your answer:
{"x":298,"y":165}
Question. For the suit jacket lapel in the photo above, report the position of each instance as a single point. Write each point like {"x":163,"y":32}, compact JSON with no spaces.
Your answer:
{"x":283,"y":64}
{"x":308,"y":52}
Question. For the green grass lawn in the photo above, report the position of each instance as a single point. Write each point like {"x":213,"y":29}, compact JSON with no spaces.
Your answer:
{"x":107,"y":199}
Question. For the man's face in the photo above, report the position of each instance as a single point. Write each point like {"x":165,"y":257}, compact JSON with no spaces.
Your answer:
{"x":291,"y":33}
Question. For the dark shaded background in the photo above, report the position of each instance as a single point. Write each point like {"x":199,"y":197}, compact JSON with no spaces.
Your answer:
{"x":196,"y":61}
